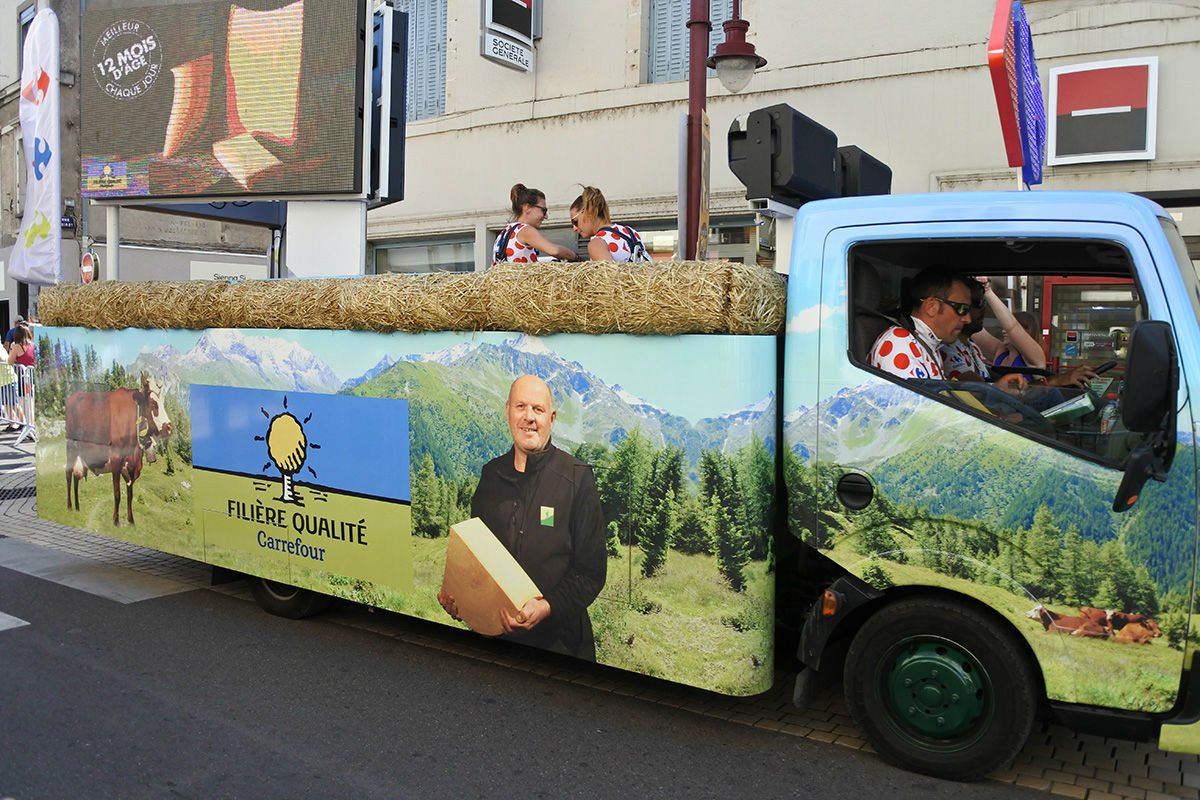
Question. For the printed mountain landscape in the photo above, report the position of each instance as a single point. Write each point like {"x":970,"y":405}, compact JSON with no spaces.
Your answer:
{"x":457,"y":394}
{"x":993,"y":476}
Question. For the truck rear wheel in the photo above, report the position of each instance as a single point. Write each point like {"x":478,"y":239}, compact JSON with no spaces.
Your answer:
{"x":287,"y":601}
{"x":938,"y":687}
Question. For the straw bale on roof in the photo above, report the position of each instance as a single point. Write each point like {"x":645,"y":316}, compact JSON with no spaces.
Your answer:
{"x":543,"y":298}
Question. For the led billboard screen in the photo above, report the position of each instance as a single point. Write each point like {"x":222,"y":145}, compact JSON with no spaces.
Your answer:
{"x":189,"y":100}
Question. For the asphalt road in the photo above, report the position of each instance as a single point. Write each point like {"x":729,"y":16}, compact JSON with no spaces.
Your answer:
{"x":200,"y":694}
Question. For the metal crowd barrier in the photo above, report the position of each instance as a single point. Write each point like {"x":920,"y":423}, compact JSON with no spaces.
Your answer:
{"x":16,"y":395}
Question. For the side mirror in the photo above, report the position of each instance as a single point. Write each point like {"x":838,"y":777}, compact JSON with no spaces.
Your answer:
{"x":1151,"y":378}
{"x":1148,"y":407}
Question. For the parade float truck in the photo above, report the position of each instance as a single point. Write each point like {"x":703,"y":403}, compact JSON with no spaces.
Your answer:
{"x":963,"y":560}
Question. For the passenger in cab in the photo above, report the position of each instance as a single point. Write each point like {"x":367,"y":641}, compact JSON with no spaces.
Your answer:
{"x":521,"y":240}
{"x":606,"y":240}
{"x":962,"y":359}
{"x":1020,"y":344}
{"x":1016,"y":339}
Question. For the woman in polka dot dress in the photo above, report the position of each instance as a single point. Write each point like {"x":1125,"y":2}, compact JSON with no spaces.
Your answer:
{"x":521,"y":241}
{"x":607,"y":242}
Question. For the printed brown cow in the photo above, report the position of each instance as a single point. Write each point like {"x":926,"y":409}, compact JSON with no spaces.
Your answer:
{"x":1096,"y":615}
{"x":1120,"y":620}
{"x":1136,"y":633}
{"x":111,"y":432}
{"x":1075,"y":626}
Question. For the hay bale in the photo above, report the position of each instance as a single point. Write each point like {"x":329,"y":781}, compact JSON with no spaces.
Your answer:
{"x":443,"y":301}
{"x":114,"y":304}
{"x":607,"y":297}
{"x":314,"y":303}
{"x":56,"y":305}
{"x":757,"y":301}
{"x":542,"y":298}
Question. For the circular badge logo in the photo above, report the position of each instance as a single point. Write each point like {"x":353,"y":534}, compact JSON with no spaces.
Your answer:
{"x":127,"y":59}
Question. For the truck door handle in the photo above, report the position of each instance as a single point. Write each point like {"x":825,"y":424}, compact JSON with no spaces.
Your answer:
{"x":855,"y":491}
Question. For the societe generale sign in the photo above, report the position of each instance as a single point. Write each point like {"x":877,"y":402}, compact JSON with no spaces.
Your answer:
{"x":508,"y":33}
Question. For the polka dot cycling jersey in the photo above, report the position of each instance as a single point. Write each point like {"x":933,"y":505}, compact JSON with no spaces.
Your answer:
{"x":514,"y":250}
{"x":618,"y":245}
{"x":961,"y":357}
{"x":897,"y":351}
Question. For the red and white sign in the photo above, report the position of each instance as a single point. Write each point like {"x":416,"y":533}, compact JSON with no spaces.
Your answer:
{"x":1103,"y":111}
{"x":87,"y":266}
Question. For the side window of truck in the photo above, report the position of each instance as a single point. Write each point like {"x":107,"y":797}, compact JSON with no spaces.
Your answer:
{"x":1076,"y":299}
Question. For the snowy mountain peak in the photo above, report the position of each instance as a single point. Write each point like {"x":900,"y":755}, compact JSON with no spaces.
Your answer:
{"x":450,"y":354}
{"x":756,"y":409}
{"x":276,"y":361}
{"x":528,"y":343}
{"x":634,"y":401}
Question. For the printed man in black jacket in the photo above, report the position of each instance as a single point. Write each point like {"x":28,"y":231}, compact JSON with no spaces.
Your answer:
{"x":542,"y":503}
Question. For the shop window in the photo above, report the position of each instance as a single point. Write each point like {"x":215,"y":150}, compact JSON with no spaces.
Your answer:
{"x":446,"y":254}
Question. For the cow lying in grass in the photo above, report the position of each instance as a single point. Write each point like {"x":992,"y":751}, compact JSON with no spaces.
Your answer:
{"x":1075,"y":626}
{"x":1099,"y":623}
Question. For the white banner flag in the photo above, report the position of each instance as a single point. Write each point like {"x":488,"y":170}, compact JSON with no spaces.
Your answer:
{"x":36,"y":257}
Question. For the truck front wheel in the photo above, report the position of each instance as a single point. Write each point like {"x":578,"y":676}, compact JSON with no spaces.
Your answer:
{"x":938,"y":687}
{"x":287,"y":601}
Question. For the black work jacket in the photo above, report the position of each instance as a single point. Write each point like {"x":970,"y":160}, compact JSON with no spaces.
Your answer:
{"x":549,"y":518}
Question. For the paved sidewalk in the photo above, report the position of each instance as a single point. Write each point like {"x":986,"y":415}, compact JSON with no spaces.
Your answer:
{"x":18,"y":519}
{"x":1056,"y":760}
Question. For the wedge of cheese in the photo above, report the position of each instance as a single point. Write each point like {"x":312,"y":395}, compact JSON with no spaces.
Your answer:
{"x":483,"y":577}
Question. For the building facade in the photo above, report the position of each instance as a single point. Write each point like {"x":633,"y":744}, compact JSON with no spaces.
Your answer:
{"x":602,"y":105}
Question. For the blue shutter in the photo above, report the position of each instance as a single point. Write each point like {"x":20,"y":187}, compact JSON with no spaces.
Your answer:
{"x":667,"y":59}
{"x":426,"y":58}
{"x":720,"y":11}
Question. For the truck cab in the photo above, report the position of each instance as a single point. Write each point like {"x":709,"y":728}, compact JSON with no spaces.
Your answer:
{"x":996,"y":550}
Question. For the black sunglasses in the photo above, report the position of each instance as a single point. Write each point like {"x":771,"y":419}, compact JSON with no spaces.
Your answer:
{"x":962,"y":309}
{"x":575,"y":221}
{"x":544,"y":211}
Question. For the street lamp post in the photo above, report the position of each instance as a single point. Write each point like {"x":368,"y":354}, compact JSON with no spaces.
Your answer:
{"x":735,"y":62}
{"x":698,"y":27}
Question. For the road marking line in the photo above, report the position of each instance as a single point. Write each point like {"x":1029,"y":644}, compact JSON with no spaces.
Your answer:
{"x":7,"y":622}
{"x":104,"y":580}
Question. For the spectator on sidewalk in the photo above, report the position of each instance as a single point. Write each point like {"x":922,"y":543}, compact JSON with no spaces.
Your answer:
{"x":20,"y":353}
{"x":8,"y":337}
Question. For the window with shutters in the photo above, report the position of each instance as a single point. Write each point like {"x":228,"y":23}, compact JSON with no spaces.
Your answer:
{"x":426,"y":90}
{"x":667,"y":54}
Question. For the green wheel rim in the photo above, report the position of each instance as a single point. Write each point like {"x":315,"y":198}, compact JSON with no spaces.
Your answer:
{"x":936,"y":691}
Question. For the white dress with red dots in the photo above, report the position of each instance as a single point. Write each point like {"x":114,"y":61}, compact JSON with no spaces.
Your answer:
{"x":616,"y":244}
{"x":514,"y":250}
{"x":897,"y":351}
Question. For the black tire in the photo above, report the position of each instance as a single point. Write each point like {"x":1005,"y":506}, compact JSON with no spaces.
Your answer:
{"x":938,"y":687}
{"x":288,"y":601}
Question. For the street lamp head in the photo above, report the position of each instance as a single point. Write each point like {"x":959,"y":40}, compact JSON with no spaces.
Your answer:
{"x":734,"y":59}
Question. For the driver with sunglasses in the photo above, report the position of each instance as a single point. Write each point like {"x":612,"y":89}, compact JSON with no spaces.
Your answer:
{"x":940,"y":308}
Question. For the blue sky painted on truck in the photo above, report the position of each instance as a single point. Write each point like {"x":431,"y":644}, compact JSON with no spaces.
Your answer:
{"x":674,"y":373}
{"x":343,"y":434}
